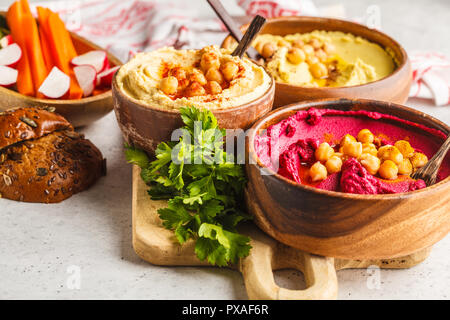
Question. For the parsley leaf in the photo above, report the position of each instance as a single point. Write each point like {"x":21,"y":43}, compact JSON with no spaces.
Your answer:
{"x":205,"y":192}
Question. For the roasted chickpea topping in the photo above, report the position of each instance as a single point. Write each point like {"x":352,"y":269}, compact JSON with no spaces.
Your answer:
{"x":329,"y":48}
{"x":333,"y":164}
{"x":214,"y":75}
{"x":418,"y":160}
{"x":209,"y":60}
{"x":370,"y":148}
{"x":323,"y":152}
{"x":312,"y":60}
{"x":296,"y":55}
{"x":229,"y":70}
{"x":405,"y":167}
{"x":197,"y":76}
{"x":353,"y":149}
{"x":321,"y":55}
{"x":405,"y":148}
{"x":318,"y":70}
{"x":318,"y":172}
{"x":169,"y":85}
{"x":346,"y":139}
{"x":389,"y":152}
{"x":370,"y":162}
{"x":213,"y":87}
{"x":309,"y":50}
{"x":268,"y":50}
{"x":365,"y":136}
{"x":315,"y":43}
{"x":298,"y":43}
{"x":195,"y":89}
{"x":178,"y":72}
{"x":388,"y":170}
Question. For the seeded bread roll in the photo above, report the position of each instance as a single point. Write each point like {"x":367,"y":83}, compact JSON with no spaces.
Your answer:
{"x":50,"y":168}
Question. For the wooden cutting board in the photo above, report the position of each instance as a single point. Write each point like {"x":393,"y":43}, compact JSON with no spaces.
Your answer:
{"x":157,"y":245}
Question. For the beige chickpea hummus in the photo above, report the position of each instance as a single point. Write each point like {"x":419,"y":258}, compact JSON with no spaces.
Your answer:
{"x":327,"y":59}
{"x":142,"y":78}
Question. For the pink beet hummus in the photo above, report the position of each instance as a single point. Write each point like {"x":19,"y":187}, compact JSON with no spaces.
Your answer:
{"x":288,"y":148}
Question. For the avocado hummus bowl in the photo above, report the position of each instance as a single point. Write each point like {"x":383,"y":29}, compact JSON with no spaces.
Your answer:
{"x":150,"y":89}
{"x":312,"y":57}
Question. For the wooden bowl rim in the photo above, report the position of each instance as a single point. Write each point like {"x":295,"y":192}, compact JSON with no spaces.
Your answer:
{"x":404,"y":63}
{"x":279,"y":112}
{"x":112,"y":58}
{"x":267,"y":94}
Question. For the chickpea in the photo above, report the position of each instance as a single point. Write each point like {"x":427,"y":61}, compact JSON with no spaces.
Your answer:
{"x":214,"y":75}
{"x":370,"y":162}
{"x":312,"y":60}
{"x":339,"y":154}
{"x":213,"y":87}
{"x":405,"y":167}
{"x":197,"y":76}
{"x":388,"y":170}
{"x":268,"y":50}
{"x":295,"y":55}
{"x":178,"y":72}
{"x":229,"y":70}
{"x":309,"y":50}
{"x":209,"y":60}
{"x":321,"y":55}
{"x":315,"y":43}
{"x":370,"y":148}
{"x":405,"y":148}
{"x":334,"y":164}
{"x":323,"y":152}
{"x":418,"y":160}
{"x":389,"y":152}
{"x":346,"y":139}
{"x":365,"y":136}
{"x":319,"y":70}
{"x":169,"y":85}
{"x":353,"y":149}
{"x":329,"y":48}
{"x":299,"y":43}
{"x":283,"y":43}
{"x":318,"y":172}
{"x":195,"y":89}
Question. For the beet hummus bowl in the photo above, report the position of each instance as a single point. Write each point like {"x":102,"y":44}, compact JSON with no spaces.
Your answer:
{"x":333,"y":177}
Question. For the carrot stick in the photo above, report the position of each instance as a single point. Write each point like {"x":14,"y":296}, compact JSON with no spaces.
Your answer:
{"x":14,"y":17}
{"x":38,"y":67}
{"x":43,"y":34}
{"x":61,"y":51}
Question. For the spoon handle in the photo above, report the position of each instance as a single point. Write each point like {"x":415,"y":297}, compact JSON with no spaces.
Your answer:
{"x":231,"y":26}
{"x":249,"y":35}
{"x":429,"y":172}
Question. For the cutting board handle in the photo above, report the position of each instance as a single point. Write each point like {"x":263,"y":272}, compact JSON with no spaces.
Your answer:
{"x":258,"y":272}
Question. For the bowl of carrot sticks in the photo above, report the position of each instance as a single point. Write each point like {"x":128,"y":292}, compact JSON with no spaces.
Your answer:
{"x":42,"y":64}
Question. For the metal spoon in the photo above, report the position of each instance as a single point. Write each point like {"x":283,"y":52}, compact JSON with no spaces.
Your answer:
{"x":428,"y":172}
{"x":250,"y":34}
{"x":232,"y":27}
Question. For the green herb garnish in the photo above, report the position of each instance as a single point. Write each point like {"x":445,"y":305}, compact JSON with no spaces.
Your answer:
{"x":204,"y":191}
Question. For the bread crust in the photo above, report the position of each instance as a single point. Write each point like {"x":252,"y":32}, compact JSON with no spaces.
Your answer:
{"x":50,"y":168}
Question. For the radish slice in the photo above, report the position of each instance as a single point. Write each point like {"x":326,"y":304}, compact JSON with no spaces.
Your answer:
{"x":6,"y":41}
{"x":97,"y":59}
{"x":8,"y":76}
{"x":56,"y":85}
{"x":10,"y":55}
{"x":87,"y":78}
{"x":105,"y":78}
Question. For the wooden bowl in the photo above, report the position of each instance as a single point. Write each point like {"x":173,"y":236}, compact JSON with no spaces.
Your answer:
{"x":145,"y":125}
{"x":348,"y":226}
{"x":79,"y":112}
{"x":393,"y":88}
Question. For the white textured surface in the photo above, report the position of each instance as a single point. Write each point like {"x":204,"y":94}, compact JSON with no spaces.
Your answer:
{"x":92,"y":230}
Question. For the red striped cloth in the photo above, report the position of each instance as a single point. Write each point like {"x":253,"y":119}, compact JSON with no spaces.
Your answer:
{"x":127,"y":27}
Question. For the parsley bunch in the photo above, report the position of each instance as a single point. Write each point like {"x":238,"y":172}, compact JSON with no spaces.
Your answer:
{"x":203,"y":187}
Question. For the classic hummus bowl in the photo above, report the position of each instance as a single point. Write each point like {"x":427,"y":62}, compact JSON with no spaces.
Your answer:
{"x":312,"y":58}
{"x":348,"y":214}
{"x":150,"y":89}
